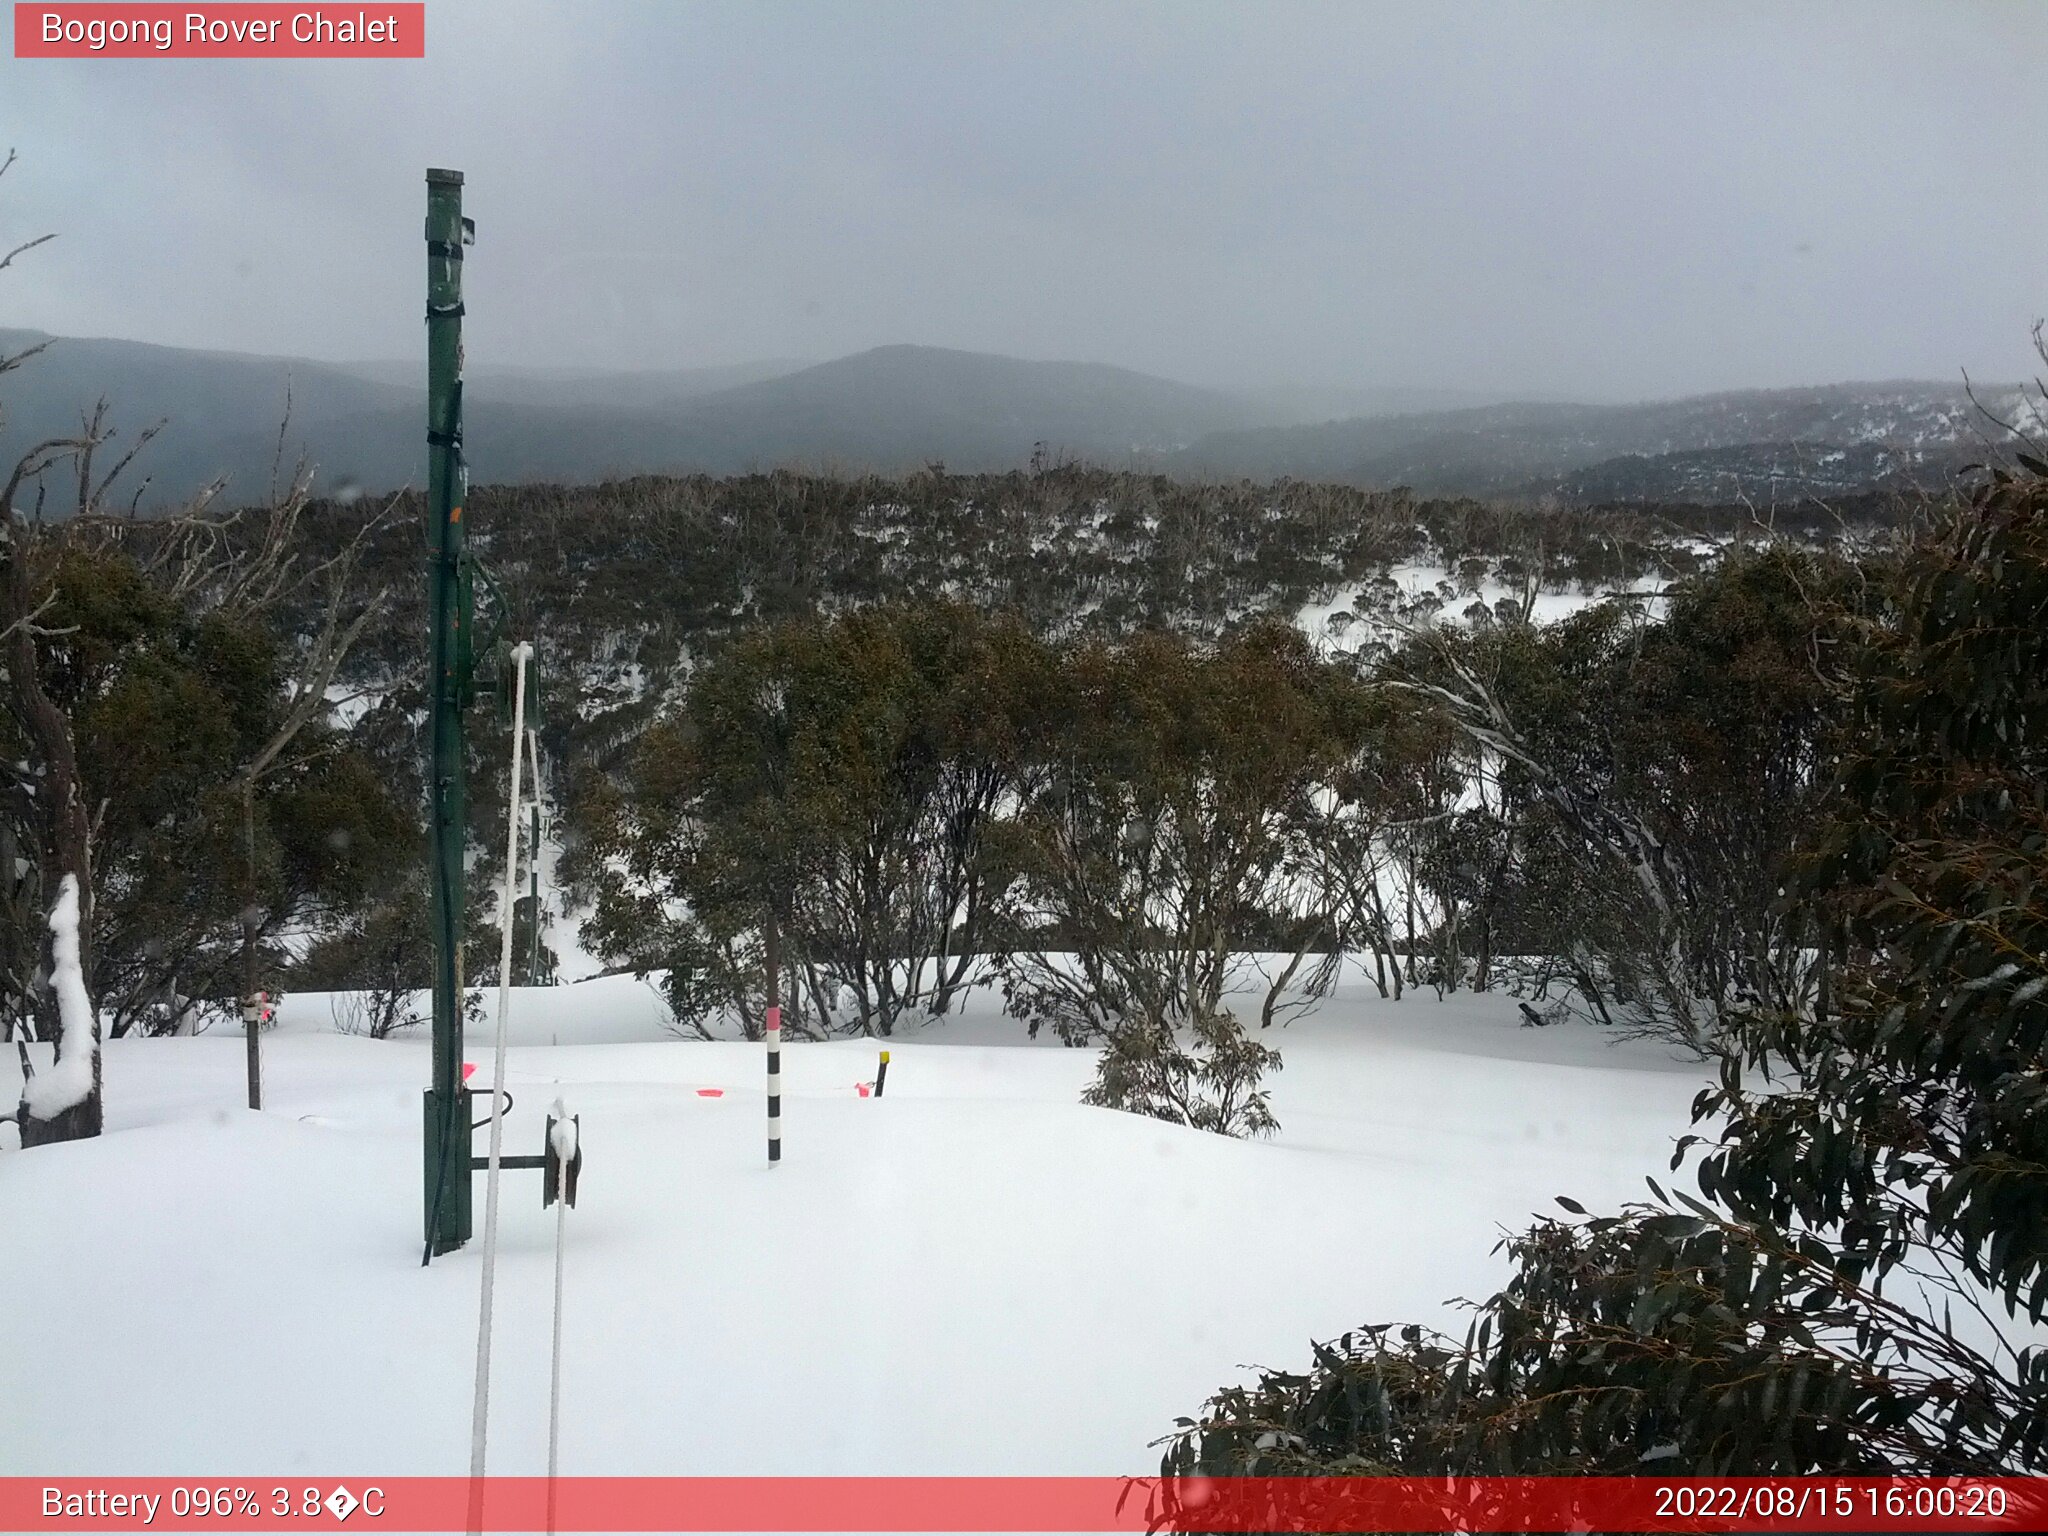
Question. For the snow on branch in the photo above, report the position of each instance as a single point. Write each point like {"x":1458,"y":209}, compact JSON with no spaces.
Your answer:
{"x":69,"y":1082}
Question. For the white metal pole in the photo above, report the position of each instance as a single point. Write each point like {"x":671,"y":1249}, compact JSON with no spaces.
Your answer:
{"x":561,"y":1248}
{"x":555,"y":1387}
{"x":480,"y":1413}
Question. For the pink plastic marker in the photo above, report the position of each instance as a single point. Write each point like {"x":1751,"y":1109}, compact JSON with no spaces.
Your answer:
{"x":710,"y":1093}
{"x":468,"y":1070}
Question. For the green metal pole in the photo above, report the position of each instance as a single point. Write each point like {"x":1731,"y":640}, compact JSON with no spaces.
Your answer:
{"x":447,"y":1107}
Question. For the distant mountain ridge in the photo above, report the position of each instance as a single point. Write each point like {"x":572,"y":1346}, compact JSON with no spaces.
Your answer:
{"x":585,"y":386}
{"x":222,"y":410}
{"x":1529,"y":449}
{"x":889,"y":409}
{"x":894,"y":407}
{"x":902,"y":407}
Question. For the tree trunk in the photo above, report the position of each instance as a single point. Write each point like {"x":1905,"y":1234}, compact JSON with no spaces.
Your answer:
{"x":67,"y":827}
{"x":252,"y":1016}
{"x":1408,"y":883}
{"x":1824,"y":953}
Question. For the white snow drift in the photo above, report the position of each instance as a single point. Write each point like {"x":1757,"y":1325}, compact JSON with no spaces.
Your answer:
{"x":975,"y":1274}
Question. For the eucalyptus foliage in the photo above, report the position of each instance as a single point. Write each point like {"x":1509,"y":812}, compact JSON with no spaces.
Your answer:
{"x":1853,"y":1292}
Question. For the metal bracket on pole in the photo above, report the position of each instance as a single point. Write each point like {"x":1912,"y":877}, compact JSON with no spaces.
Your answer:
{"x":558,"y":1174}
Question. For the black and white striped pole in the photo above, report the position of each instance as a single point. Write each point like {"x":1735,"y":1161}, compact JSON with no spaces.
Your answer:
{"x":774,"y":1085}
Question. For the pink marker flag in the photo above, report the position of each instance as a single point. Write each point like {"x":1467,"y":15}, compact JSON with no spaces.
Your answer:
{"x":468,"y":1070}
{"x":710,"y":1093}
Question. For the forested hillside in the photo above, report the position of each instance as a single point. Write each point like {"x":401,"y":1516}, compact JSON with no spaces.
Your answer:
{"x":622,"y":586}
{"x":1774,"y":446}
{"x":628,"y":589}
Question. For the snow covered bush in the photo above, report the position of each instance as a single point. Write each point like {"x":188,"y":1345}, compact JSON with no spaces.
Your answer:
{"x":1167,"y":830}
{"x":378,"y":1013}
{"x":1207,"y":1076}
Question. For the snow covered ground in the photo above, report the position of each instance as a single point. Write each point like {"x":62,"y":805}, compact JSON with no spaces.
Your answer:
{"x":975,"y":1274}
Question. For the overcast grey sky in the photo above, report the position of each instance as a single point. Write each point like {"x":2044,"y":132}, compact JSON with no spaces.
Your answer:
{"x":1603,"y":201}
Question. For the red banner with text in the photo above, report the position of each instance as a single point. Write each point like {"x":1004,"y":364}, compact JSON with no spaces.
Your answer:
{"x":1049,"y":1504}
{"x":234,"y":31}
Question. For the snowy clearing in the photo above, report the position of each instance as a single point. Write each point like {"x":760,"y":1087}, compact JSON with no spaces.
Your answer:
{"x":974,"y":1274}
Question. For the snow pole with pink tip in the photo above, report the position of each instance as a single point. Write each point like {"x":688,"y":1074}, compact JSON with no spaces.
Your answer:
{"x":774,"y":1085}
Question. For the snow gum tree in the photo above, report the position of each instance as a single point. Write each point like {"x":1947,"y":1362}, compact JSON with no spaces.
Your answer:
{"x":835,"y":786}
{"x":171,"y":701}
{"x":1860,"y":1283}
{"x":1180,"y":784}
{"x":1647,"y":779}
{"x":47,"y":793}
{"x":49,"y":803}
{"x":158,"y":711}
